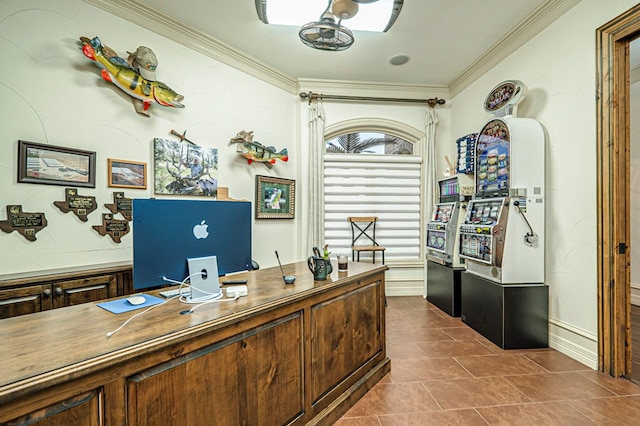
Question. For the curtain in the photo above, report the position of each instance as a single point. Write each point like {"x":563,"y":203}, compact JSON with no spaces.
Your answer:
{"x":429,"y":158}
{"x":315,"y":235}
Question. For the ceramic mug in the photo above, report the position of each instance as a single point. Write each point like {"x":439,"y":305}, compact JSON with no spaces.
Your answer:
{"x":319,"y":267}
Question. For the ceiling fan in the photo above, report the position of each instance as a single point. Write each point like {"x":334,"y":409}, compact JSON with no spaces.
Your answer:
{"x":326,"y":33}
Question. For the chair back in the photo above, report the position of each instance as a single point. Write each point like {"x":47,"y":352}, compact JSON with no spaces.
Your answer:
{"x":363,"y":227}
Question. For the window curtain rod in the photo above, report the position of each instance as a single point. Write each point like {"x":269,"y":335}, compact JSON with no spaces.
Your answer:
{"x":432,"y":102}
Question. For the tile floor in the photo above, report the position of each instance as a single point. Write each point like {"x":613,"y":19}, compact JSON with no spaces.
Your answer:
{"x":444,"y":373}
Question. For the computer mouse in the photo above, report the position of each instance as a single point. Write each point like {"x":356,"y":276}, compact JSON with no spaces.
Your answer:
{"x":136,"y":300}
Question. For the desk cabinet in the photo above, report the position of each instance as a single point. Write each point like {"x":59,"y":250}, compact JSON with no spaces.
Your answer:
{"x":283,"y":355}
{"x":30,"y":295}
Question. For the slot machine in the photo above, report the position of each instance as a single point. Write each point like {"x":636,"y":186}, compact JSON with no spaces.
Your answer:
{"x":444,"y":264}
{"x":502,"y":233}
{"x":442,"y":229}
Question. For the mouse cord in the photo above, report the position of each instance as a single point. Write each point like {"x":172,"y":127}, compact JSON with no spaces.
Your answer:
{"x":182,"y":283}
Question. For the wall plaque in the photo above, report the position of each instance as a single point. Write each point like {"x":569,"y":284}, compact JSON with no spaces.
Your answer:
{"x":25,"y":223}
{"x":81,"y":205}
{"x":115,"y":228}
{"x":121,"y":204}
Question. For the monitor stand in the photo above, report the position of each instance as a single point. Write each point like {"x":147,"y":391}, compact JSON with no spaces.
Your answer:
{"x":203,"y":273}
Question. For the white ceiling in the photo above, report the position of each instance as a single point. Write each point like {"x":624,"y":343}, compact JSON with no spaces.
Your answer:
{"x":446,"y":40}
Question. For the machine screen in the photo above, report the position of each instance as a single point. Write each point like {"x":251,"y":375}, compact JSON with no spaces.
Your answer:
{"x":492,"y":153}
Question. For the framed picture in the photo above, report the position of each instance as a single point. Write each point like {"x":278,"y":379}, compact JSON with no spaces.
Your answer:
{"x":127,"y":174}
{"x":184,"y":168}
{"x":275,"y":198}
{"x":55,"y":165}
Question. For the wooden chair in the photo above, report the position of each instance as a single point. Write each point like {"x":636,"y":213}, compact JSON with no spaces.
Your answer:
{"x":364,"y":227}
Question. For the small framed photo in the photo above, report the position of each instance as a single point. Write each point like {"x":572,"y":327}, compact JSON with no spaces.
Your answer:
{"x":127,"y":174}
{"x":275,"y":198}
{"x":55,"y":165}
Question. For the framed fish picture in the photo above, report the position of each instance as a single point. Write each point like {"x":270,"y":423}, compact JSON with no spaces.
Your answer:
{"x":275,"y":198}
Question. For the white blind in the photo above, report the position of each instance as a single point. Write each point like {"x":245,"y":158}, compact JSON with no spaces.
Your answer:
{"x":387,"y":186}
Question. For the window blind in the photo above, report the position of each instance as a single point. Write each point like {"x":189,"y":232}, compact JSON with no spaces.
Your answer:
{"x":387,"y":186}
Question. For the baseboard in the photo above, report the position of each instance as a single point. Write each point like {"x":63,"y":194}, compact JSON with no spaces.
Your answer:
{"x":573,"y":342}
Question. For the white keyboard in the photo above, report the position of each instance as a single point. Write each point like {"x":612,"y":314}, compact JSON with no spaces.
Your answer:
{"x":172,"y":293}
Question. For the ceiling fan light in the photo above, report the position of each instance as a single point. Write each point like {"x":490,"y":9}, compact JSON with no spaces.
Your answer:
{"x":324,"y":35}
{"x":344,"y":9}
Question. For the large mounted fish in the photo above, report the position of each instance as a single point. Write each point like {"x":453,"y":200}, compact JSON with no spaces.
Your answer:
{"x":255,"y":151}
{"x":116,"y":70}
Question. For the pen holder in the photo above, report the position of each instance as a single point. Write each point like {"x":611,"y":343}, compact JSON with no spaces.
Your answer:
{"x":319,"y":267}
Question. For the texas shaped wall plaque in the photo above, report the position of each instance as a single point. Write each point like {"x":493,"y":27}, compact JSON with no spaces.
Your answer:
{"x":121,"y":204}
{"x":79,"y":204}
{"x":115,"y":228}
{"x":25,"y":223}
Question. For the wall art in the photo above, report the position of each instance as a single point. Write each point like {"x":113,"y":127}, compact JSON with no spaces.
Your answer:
{"x":184,"y":168}
{"x":122,"y":205}
{"x":255,"y":151}
{"x":26,"y":223}
{"x":80,"y":205}
{"x":275,"y":198}
{"x":135,"y":75}
{"x":127,"y":174}
{"x":55,"y":165}
{"x":115,"y":228}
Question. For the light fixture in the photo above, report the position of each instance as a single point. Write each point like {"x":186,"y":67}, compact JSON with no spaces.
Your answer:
{"x":344,"y":9}
{"x":376,"y":16}
{"x":326,"y":34}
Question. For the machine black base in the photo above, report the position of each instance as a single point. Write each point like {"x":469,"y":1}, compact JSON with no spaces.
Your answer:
{"x":443,"y":287}
{"x":513,"y":316}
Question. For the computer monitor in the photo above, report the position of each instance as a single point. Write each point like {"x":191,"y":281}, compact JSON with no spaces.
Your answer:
{"x":168,"y":232}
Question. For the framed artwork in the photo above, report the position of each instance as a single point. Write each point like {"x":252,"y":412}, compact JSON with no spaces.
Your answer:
{"x":184,"y":168}
{"x":275,"y":198}
{"x":127,"y":174}
{"x":55,"y":165}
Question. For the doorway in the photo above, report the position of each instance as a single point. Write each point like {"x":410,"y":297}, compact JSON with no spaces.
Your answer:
{"x":613,"y":42}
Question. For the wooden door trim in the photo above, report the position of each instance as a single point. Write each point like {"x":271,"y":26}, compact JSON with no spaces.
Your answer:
{"x":614,"y":332}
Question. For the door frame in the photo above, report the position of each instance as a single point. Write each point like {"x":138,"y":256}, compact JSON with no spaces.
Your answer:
{"x":613,"y":191}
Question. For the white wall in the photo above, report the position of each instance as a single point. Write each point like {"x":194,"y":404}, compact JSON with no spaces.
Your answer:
{"x":558,"y":66}
{"x":51,"y":93}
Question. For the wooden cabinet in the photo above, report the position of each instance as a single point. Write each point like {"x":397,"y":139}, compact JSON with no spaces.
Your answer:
{"x":250,"y":379}
{"x":30,"y":295}
{"x":83,"y":409}
{"x":283,"y":355}
{"x":25,"y":300}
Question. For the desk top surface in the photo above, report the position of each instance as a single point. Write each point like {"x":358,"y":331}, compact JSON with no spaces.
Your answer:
{"x":47,"y":345}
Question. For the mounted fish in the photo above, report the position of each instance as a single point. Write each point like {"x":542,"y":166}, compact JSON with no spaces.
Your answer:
{"x":255,"y":151}
{"x":129,"y":76}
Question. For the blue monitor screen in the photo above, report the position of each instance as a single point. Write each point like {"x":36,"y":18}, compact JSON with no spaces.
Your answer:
{"x":168,"y":232}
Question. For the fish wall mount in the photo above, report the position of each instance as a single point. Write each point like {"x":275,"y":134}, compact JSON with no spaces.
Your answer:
{"x":135,"y":75}
{"x":255,"y":151}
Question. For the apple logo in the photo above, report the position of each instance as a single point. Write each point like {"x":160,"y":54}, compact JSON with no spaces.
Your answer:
{"x":200,"y":231}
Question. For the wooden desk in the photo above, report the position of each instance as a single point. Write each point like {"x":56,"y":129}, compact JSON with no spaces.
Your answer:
{"x":285,"y":354}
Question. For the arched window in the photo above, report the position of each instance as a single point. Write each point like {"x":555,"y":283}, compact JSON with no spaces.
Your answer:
{"x":374,"y":173}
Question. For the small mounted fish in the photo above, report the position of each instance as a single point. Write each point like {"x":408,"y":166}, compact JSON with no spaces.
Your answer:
{"x":255,"y":151}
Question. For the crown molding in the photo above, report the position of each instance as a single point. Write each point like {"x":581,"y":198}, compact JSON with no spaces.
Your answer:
{"x":160,"y":23}
{"x":538,"y":20}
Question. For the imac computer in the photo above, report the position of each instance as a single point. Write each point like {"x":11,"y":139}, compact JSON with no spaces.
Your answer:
{"x":167,"y":233}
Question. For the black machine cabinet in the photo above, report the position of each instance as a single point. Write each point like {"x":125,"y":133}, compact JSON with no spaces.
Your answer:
{"x":443,"y":287}
{"x":513,"y":316}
